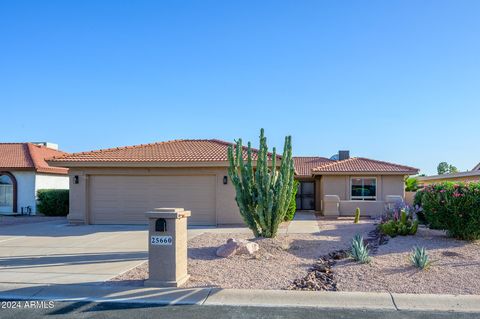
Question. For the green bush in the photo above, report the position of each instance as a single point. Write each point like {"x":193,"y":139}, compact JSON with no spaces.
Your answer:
{"x":411,"y":184}
{"x":403,"y":225}
{"x":53,"y":202}
{"x":454,"y":207}
{"x":292,"y":208}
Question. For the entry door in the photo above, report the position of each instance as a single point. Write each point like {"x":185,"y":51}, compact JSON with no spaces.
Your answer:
{"x":306,"y":196}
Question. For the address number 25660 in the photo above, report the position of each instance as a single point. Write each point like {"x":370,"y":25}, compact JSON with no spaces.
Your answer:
{"x":161,"y":240}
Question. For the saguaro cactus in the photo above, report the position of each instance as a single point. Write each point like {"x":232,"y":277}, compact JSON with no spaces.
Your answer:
{"x":262,"y":193}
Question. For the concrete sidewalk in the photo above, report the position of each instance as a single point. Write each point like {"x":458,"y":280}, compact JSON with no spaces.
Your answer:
{"x":241,"y":297}
{"x":304,"y":222}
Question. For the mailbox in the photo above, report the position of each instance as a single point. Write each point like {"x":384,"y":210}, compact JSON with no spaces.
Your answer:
{"x":167,"y":247}
{"x":161,"y":225}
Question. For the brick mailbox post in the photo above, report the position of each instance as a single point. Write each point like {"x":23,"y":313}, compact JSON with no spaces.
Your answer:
{"x":167,"y":247}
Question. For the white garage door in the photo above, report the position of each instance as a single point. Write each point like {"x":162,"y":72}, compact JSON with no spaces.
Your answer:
{"x":125,"y":199}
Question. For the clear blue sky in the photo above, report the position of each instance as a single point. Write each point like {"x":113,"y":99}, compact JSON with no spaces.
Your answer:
{"x":391,"y":80}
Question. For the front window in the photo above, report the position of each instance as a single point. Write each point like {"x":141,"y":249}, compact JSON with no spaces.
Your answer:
{"x":364,"y":188}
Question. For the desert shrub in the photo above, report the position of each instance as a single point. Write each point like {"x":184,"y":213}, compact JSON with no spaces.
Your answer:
{"x":357,"y":216}
{"x":454,"y":207}
{"x":292,"y":208}
{"x":359,"y":250}
{"x":53,"y":202}
{"x":401,"y":223}
{"x":419,"y":258}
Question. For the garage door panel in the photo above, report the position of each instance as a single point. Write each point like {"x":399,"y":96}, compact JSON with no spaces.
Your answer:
{"x":125,"y":199}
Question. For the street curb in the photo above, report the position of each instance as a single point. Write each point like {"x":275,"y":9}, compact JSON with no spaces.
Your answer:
{"x":290,"y":298}
{"x":243,"y":297}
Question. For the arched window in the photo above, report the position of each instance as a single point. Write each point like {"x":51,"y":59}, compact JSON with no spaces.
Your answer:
{"x":8,"y":193}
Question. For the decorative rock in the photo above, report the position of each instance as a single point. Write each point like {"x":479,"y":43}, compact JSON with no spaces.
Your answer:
{"x":240,"y":246}
{"x":247,"y":247}
{"x":229,"y":249}
{"x":321,"y":274}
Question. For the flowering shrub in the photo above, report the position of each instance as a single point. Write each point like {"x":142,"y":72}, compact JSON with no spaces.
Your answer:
{"x":402,"y":222}
{"x":454,"y":207}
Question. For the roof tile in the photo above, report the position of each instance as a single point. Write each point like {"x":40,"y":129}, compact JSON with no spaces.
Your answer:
{"x":28,"y":156}
{"x":305,"y":164}
{"x":361,"y":164}
{"x":170,"y":151}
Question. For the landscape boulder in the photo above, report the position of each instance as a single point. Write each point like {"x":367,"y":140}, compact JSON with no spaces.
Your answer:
{"x":237,"y":246}
{"x":247,"y":247}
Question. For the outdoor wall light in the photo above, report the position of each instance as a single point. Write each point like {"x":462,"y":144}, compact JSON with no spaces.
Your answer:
{"x":75,"y":179}
{"x":225,"y":180}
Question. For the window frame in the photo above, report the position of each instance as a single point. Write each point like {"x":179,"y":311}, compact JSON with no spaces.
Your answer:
{"x":363,"y":198}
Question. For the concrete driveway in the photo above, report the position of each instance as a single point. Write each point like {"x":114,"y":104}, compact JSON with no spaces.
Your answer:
{"x":57,"y":253}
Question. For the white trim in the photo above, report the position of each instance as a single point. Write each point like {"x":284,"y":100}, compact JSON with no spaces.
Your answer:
{"x":362,"y":198}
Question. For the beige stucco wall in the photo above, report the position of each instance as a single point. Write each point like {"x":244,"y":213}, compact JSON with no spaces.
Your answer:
{"x":340,"y":185}
{"x":226,"y":208}
{"x":409,"y":197}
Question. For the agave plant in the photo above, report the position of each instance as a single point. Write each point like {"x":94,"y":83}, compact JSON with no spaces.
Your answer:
{"x":359,"y":251}
{"x":419,"y":258}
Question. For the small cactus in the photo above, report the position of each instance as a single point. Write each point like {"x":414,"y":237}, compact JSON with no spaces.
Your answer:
{"x":359,"y":251}
{"x":419,"y":258}
{"x":357,"y":216}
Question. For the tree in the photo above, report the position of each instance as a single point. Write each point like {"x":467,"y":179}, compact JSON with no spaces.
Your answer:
{"x":452,"y":169}
{"x":442,"y":168}
{"x":411,"y":184}
{"x":445,"y":168}
{"x":263,"y":194}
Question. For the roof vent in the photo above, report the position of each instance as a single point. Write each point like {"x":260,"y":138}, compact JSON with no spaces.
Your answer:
{"x":343,"y":155}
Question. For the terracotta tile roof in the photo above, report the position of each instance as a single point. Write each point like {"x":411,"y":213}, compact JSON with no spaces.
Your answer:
{"x":28,"y":156}
{"x":360,"y":165}
{"x":305,"y":164}
{"x":170,"y":151}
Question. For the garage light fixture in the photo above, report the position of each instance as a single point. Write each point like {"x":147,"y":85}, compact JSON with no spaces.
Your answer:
{"x":225,"y":180}
{"x":75,"y":179}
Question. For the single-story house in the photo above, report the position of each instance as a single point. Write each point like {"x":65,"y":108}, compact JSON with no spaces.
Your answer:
{"x":23,"y":171}
{"x":469,"y":176}
{"x":116,"y":186}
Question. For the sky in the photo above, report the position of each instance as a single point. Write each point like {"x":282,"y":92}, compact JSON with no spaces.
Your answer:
{"x":391,"y":80}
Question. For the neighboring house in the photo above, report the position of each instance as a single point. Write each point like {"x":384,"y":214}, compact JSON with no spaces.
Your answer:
{"x":116,"y":186}
{"x":469,"y":176}
{"x":23,"y":171}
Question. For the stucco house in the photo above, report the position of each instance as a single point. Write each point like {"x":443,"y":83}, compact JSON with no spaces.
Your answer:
{"x":23,"y":171}
{"x":468,"y":176}
{"x":116,"y":186}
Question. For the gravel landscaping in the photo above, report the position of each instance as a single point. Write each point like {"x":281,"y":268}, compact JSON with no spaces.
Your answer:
{"x":278,"y":262}
{"x":455,"y":269}
{"x":287,"y":258}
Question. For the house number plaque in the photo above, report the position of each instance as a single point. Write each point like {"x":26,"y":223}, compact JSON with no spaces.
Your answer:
{"x":161,"y":240}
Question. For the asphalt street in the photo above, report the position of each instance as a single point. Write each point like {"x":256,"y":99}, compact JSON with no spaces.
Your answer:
{"x":138,"y":311}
